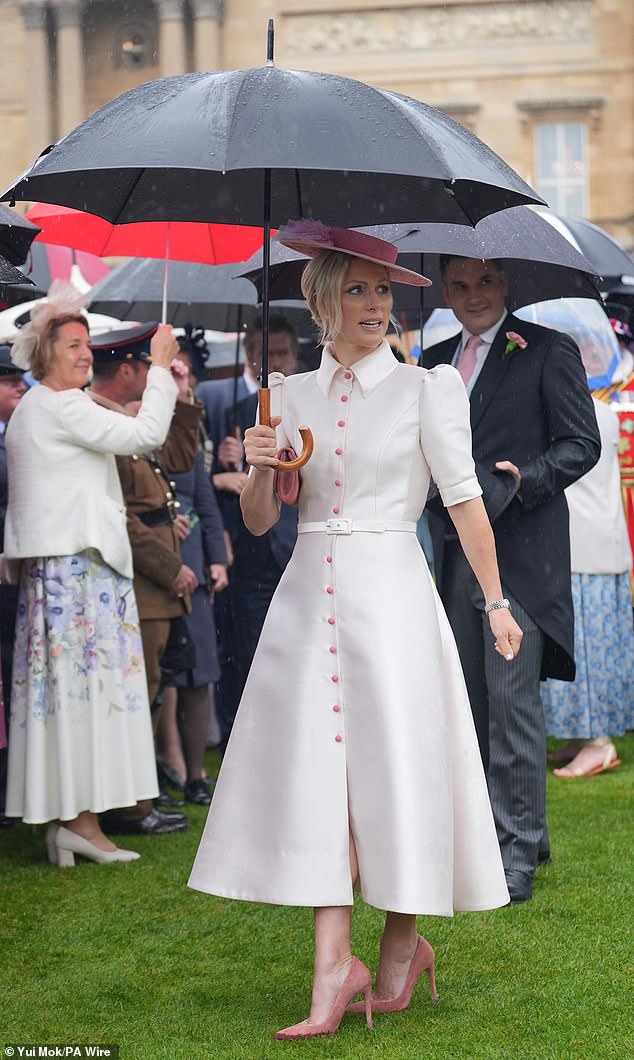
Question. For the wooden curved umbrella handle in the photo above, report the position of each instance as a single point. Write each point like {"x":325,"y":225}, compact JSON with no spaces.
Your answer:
{"x":308,"y":444}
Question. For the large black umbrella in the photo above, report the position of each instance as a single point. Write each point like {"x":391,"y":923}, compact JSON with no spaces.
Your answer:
{"x":539,"y":262}
{"x":259,"y":146}
{"x":609,"y":259}
{"x":194,"y":147}
{"x":16,"y":236}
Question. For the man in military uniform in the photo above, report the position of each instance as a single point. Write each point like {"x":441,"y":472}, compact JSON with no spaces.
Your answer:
{"x":162,"y":582}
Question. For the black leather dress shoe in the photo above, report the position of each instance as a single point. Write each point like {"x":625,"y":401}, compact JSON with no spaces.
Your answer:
{"x":165,"y":801}
{"x":520,"y":885}
{"x":154,"y":823}
{"x":198,"y":791}
{"x":168,"y":777}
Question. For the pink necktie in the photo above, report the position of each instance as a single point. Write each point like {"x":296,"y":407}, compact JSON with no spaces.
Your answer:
{"x":467,"y":360}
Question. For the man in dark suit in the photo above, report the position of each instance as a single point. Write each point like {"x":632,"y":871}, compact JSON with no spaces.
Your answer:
{"x":226,"y":422}
{"x":258,"y":562}
{"x":532,"y":418}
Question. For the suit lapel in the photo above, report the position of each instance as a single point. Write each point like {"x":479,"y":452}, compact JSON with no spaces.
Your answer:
{"x":492,"y":373}
{"x":445,"y":350}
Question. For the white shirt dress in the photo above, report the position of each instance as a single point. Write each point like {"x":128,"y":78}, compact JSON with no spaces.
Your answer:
{"x":355,"y":716}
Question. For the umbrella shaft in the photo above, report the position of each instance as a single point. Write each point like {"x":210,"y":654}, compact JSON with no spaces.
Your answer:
{"x":266,"y":261}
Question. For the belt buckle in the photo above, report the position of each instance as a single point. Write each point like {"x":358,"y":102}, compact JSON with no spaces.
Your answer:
{"x":339,"y":526}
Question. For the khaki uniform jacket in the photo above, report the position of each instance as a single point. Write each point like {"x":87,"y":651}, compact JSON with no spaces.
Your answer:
{"x":156,"y":550}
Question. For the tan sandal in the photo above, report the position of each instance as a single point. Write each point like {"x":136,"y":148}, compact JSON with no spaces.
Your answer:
{"x":610,"y":761}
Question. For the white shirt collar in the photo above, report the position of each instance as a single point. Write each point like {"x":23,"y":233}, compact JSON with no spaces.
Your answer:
{"x":369,"y":371}
{"x":249,"y":381}
{"x":487,"y":336}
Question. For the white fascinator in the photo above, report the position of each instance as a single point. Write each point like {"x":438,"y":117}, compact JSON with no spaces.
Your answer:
{"x":62,"y":300}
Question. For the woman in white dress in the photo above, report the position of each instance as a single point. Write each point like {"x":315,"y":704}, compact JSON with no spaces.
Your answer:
{"x":80,"y":736}
{"x":353,"y":761}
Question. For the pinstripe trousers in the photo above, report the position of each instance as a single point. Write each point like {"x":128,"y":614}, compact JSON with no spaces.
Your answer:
{"x":507,"y":711}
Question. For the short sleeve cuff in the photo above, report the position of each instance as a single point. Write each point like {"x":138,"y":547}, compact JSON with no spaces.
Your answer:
{"x":462,"y":491}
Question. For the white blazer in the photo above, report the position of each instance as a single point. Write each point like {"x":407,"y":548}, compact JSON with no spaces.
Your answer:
{"x":64,"y":489}
{"x":599,"y":543}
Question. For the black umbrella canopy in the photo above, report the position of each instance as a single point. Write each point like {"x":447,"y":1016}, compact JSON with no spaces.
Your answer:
{"x":10,"y":275}
{"x":193,"y":148}
{"x":539,"y":263}
{"x":609,"y":259}
{"x":207,"y":296}
{"x":16,"y":236}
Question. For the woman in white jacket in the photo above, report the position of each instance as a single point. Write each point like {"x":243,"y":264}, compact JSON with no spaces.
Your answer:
{"x":80,"y":739}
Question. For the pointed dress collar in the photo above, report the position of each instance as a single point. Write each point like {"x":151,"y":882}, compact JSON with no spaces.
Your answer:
{"x":369,"y":371}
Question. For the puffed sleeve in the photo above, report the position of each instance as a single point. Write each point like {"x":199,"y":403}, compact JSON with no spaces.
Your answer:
{"x":91,"y":425}
{"x":445,"y":435}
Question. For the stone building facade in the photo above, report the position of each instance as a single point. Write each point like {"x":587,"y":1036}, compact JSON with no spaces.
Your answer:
{"x":549,"y":84}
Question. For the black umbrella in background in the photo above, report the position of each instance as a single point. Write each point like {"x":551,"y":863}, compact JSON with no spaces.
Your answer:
{"x":10,"y":275}
{"x":539,"y":263}
{"x":609,"y":259}
{"x":207,"y":296}
{"x":16,"y":236}
{"x":204,"y":295}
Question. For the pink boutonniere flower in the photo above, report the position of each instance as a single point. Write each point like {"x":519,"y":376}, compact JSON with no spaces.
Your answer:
{"x":515,"y":342}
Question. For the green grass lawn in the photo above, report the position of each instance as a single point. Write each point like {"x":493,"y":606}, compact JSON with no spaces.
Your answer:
{"x":128,"y":954}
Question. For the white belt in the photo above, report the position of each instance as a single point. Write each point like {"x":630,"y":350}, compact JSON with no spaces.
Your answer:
{"x":349,"y":526}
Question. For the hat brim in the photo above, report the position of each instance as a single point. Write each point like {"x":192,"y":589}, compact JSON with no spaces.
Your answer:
{"x":395,"y":272}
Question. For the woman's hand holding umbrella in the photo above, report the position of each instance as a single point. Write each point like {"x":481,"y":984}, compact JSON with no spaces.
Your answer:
{"x":260,"y":446}
{"x":164,"y":347}
{"x":258,"y":502}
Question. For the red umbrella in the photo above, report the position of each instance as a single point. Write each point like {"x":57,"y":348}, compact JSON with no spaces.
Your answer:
{"x":207,"y":244}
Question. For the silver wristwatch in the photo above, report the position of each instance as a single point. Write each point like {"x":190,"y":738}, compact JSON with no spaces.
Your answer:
{"x":496,"y":605}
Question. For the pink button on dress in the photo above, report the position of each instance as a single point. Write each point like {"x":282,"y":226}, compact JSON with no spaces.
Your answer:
{"x":398,"y":765}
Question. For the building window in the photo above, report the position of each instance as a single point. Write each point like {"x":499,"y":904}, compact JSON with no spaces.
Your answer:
{"x":561,"y":166}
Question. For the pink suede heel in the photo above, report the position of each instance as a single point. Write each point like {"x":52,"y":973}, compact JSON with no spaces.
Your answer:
{"x":357,"y":981}
{"x":422,"y":961}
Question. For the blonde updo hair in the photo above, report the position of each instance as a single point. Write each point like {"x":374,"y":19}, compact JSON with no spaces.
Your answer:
{"x":42,"y":355}
{"x":323,"y":280}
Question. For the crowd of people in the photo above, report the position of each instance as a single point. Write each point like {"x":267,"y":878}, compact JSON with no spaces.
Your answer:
{"x":388,"y":729}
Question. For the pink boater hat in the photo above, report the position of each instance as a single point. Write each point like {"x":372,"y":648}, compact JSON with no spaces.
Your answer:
{"x":312,"y":238}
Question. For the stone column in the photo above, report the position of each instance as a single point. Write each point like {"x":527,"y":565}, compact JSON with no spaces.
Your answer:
{"x":207,"y":16}
{"x":172,"y":40}
{"x":70,"y":64}
{"x":38,"y":64}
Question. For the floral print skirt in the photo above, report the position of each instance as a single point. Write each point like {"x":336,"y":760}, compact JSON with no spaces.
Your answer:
{"x":80,"y":735}
{"x":600,"y":701}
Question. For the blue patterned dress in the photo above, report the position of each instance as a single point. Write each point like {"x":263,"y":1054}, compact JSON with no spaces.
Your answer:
{"x":80,"y":729}
{"x":600,"y":702}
